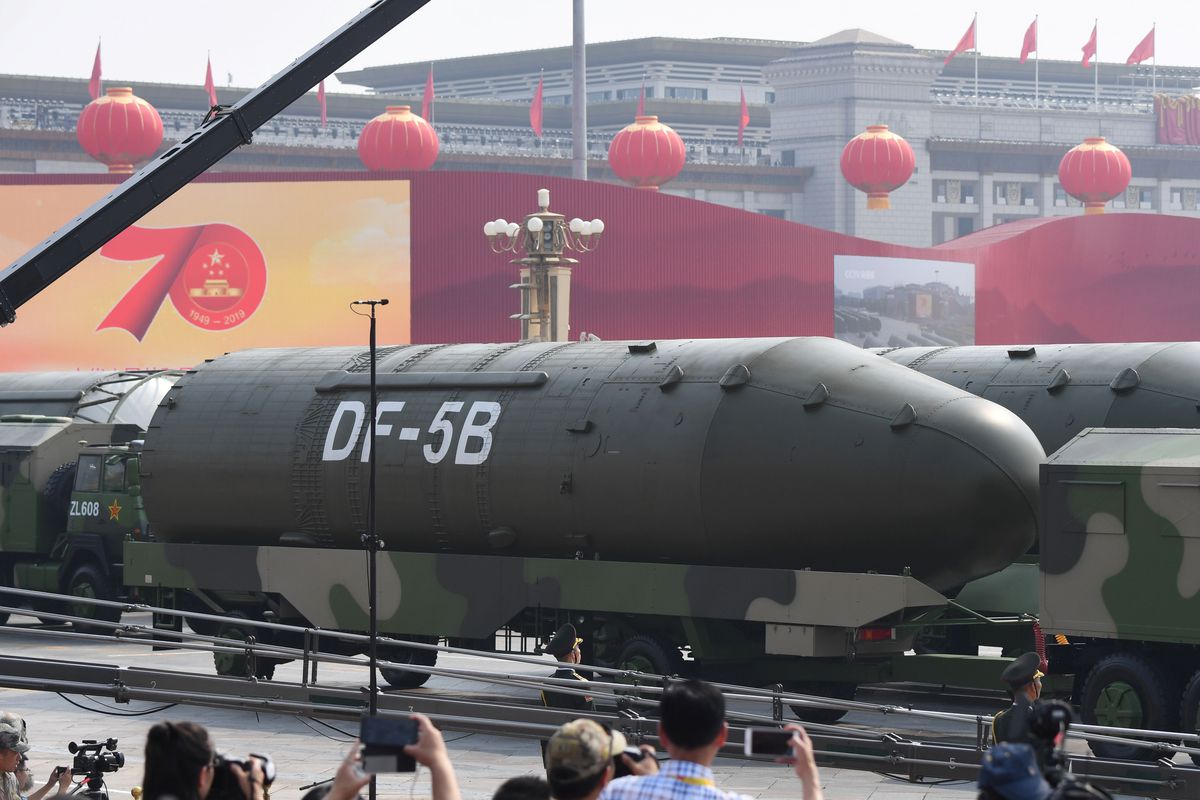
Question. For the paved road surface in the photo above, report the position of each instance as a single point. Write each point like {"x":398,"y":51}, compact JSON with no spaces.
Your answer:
{"x":306,"y":751}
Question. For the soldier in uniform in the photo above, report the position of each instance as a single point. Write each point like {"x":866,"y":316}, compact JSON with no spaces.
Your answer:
{"x":565,"y":647}
{"x":1024,"y":680}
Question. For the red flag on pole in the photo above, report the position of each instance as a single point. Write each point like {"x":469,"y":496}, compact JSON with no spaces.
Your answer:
{"x":94,"y":83}
{"x":641,"y":107}
{"x":535,"y":111}
{"x":1144,"y":50}
{"x":209,"y":86}
{"x":321,"y":101}
{"x":1089,"y":49}
{"x":427,"y":100}
{"x":967,"y":42}
{"x":1030,"y":44}
{"x":744,"y":120}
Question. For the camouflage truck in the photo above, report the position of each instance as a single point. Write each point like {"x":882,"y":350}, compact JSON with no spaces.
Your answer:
{"x":1120,"y":574}
{"x":69,"y":498}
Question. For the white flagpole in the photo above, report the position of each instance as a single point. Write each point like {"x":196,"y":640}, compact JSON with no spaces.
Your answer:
{"x":1037,"y":103}
{"x":975,"y":27}
{"x":1154,"y":58}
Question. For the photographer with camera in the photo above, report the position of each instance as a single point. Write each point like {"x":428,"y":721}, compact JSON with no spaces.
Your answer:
{"x":60,"y":778}
{"x":12,"y":750}
{"x":582,"y":757}
{"x":693,"y":730}
{"x":182,"y":764}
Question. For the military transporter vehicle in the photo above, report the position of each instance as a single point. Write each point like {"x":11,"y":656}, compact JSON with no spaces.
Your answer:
{"x":65,"y":439}
{"x":1138,"y":673}
{"x":780,"y":510}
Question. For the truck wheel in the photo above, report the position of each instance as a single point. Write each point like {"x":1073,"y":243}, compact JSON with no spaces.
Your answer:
{"x":57,"y":495}
{"x":238,"y":664}
{"x":1189,"y":709}
{"x":88,"y":582}
{"x":650,"y":655}
{"x":6,"y":579}
{"x":1124,"y":690}
{"x":835,"y":691}
{"x":408,"y":678}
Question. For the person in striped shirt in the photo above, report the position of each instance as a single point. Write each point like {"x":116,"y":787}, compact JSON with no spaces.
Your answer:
{"x":692,"y":729}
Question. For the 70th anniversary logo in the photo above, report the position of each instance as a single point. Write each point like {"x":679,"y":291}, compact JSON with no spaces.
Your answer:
{"x":215,"y":275}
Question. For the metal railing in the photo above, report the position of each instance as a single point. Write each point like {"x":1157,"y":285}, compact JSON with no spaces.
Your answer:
{"x":628,"y":698}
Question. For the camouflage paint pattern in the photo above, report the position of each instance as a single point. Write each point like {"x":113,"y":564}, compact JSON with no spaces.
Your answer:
{"x":474,"y":596}
{"x":1121,"y":541}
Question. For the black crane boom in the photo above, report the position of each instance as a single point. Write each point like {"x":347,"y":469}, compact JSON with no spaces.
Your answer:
{"x":223,"y":130}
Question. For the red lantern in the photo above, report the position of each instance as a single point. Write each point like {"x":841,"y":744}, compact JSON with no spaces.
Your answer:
{"x":398,"y":139}
{"x":877,"y":161}
{"x":1094,"y":172}
{"x":647,"y":153}
{"x":119,"y":129}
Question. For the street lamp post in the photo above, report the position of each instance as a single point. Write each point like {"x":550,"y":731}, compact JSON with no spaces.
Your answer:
{"x":545,"y":283}
{"x":371,"y":538}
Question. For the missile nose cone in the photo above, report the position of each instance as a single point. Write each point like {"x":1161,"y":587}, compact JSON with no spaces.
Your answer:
{"x":995,"y":506}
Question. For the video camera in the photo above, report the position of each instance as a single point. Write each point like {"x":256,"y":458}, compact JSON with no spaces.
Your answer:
{"x":634,"y":753}
{"x":1037,"y":768}
{"x":91,"y":757}
{"x":225,"y":785}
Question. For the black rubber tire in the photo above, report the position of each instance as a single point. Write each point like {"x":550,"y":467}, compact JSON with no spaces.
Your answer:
{"x":238,"y":664}
{"x":822,"y":716}
{"x":1138,"y":684}
{"x":1189,"y":709}
{"x":57,"y":494}
{"x":6,"y":579}
{"x":650,"y":655}
{"x":88,"y":581}
{"x":407,"y":678}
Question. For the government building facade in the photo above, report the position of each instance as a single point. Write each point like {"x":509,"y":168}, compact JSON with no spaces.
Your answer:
{"x":987,"y":150}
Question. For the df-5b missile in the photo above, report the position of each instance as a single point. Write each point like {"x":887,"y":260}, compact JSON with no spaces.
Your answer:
{"x":1060,"y":389}
{"x":789,"y":452}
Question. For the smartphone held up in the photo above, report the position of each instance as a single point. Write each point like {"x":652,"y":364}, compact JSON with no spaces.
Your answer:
{"x":767,"y":742}
{"x":383,"y":741}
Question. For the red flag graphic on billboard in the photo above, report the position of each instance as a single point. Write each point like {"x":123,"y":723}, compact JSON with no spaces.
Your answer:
{"x":535,"y":111}
{"x":209,"y":86}
{"x":744,"y":120}
{"x":94,"y":83}
{"x":1089,"y":49}
{"x":215,"y":275}
{"x":1144,"y":50}
{"x":1030,"y":44}
{"x":427,"y":100}
{"x":967,"y":42}
{"x":321,"y":102}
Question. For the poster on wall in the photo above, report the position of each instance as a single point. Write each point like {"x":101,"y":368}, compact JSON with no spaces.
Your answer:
{"x":219,"y":266}
{"x":903,"y":302}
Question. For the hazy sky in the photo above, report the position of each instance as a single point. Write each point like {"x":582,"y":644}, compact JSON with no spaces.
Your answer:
{"x":167,"y":40}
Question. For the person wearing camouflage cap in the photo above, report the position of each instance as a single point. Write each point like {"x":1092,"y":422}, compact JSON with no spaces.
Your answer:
{"x":580,"y":759}
{"x":11,"y":749}
{"x":1024,"y":679}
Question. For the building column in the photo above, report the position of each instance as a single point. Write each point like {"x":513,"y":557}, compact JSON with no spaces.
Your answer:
{"x":1164,"y":196}
{"x":987,"y":201}
{"x":1047,"y":196}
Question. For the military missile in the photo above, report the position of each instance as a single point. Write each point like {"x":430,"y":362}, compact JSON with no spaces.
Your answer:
{"x":1060,"y":389}
{"x":788,"y":452}
{"x":116,"y":397}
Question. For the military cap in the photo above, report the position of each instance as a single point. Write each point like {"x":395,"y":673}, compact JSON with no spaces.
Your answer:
{"x":1022,"y":670}
{"x":565,"y":640}
{"x":580,"y":749}
{"x":1011,"y":771}
{"x":10,"y":739}
{"x":7,"y":718}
